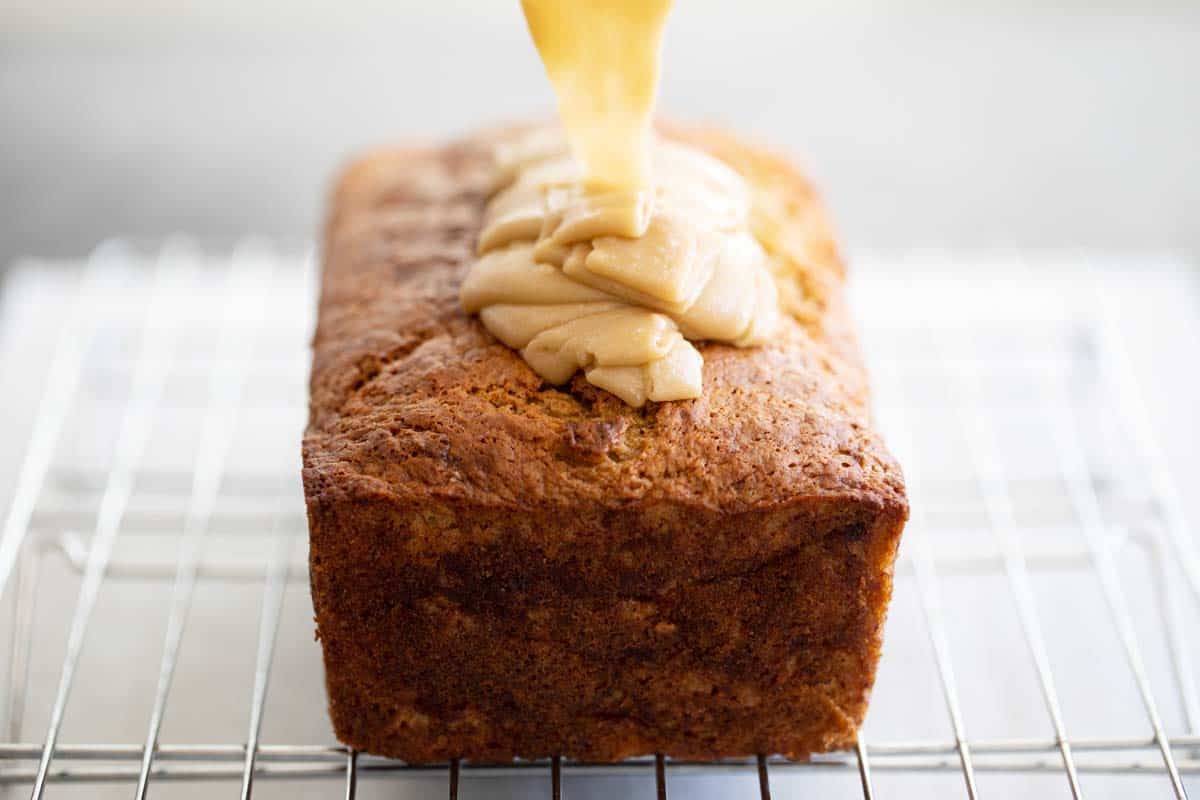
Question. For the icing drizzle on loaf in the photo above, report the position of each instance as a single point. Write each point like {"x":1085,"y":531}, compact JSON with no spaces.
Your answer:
{"x":619,"y":283}
{"x":614,"y":255}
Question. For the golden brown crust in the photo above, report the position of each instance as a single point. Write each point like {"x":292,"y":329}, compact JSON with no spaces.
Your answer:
{"x":505,"y":568}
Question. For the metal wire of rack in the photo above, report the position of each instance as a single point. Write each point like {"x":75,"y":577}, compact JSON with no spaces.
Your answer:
{"x":178,"y":341}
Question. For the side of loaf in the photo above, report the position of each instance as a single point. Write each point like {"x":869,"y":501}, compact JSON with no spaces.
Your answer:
{"x":503,"y":568}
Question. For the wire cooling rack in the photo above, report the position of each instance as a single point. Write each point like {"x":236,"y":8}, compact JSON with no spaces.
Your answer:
{"x":152,"y":556}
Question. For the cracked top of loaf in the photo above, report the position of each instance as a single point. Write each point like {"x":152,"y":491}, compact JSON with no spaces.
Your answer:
{"x":412,"y":400}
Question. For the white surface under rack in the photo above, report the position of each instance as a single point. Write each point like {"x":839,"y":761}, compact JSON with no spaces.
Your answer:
{"x":155,"y":625}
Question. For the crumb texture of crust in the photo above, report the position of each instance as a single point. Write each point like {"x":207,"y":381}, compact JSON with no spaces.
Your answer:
{"x":502,"y":568}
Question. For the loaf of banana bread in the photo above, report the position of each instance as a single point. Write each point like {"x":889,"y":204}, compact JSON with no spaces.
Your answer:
{"x":504,"y":568}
